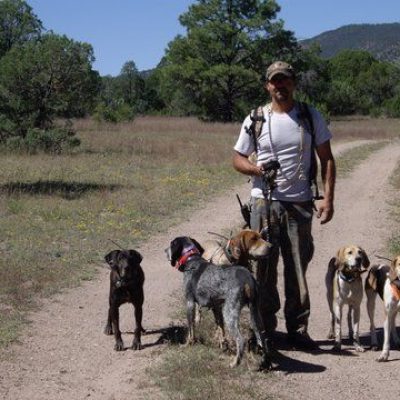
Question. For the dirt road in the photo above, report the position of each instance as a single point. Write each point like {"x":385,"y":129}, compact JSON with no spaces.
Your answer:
{"x":64,"y":354}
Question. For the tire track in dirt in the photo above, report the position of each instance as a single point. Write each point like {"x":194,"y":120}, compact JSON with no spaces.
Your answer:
{"x":65,"y":355}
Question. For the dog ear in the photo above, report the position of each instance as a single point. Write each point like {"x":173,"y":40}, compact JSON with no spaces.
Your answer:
{"x":333,"y":264}
{"x":135,"y":256}
{"x":234,"y":245}
{"x":112,"y":258}
{"x":175,"y":247}
{"x":340,"y":257}
{"x":236,"y":251}
{"x":246,"y":237}
{"x":198,"y":245}
{"x":365,"y":259}
{"x":395,"y":266}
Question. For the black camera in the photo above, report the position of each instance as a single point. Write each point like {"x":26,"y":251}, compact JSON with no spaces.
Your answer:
{"x":270,"y":170}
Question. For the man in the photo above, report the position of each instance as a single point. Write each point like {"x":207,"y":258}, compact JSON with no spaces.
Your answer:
{"x":286,"y":137}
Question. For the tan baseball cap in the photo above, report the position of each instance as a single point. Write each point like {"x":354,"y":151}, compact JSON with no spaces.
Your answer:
{"x":279,"y":67}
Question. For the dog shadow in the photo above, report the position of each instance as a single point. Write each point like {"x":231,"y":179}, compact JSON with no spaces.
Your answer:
{"x":67,"y":190}
{"x":289,"y":365}
{"x":174,"y":335}
{"x":348,"y":348}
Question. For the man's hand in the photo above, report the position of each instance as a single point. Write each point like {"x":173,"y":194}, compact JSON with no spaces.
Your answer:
{"x":325,"y":210}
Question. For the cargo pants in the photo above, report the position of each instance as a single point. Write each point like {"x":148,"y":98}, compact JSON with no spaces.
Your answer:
{"x":290,"y":235}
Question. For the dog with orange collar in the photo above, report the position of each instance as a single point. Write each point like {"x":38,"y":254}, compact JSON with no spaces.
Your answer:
{"x":385,"y":281}
{"x":225,"y":290}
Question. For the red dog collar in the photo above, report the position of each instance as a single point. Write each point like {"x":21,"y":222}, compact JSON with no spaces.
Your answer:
{"x":185,"y":257}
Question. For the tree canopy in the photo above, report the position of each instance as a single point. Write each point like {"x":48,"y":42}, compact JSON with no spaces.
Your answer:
{"x":42,"y":76}
{"x":18,"y":24}
{"x":218,"y":66}
{"x":43,"y":79}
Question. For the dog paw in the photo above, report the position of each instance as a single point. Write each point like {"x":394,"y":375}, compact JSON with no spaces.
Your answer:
{"x":337,"y":348}
{"x":119,"y":345}
{"x":374,"y":347}
{"x":383,"y":357}
{"x":360,"y":349}
{"x":136,"y":345}
{"x":265,"y":365}
{"x":108,"y":330}
{"x":234,"y":363}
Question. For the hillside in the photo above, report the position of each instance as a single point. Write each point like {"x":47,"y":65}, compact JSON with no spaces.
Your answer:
{"x":381,"y":40}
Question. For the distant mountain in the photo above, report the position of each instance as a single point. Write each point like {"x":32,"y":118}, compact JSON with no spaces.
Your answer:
{"x":381,"y":40}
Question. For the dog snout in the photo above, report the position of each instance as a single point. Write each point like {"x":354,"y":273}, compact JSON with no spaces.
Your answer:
{"x":358,"y":261}
{"x":167,"y":252}
{"x":261,"y":250}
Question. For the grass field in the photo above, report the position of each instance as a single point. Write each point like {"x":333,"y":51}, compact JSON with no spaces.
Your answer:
{"x":125,"y":182}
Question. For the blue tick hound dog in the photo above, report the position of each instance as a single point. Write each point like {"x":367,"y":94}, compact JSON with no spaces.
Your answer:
{"x":225,"y":290}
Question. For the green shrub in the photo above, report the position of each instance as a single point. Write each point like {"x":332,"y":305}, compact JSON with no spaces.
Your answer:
{"x":118,"y":112}
{"x":392,"y":107}
{"x":54,"y":140}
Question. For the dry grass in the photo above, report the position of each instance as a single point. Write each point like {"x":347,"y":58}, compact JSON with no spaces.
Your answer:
{"x":394,"y":244}
{"x":365,"y":128}
{"x":201,"y":372}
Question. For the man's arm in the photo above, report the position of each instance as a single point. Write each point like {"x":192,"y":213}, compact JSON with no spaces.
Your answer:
{"x":242,"y":164}
{"x":328,"y":175}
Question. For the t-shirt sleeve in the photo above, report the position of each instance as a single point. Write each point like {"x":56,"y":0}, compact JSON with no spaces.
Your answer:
{"x":245,"y":144}
{"x":322,"y":132}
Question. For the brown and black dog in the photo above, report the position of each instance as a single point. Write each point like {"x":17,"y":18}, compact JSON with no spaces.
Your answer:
{"x":126,"y":286}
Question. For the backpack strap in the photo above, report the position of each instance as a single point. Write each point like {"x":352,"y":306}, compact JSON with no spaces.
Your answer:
{"x":257,"y":121}
{"x":308,"y":122}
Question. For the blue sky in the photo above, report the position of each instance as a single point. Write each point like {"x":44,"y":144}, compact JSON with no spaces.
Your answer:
{"x":140,"y":30}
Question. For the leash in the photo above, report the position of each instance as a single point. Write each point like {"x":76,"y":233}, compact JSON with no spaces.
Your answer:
{"x":112,"y":241}
{"x":226,"y":248}
{"x":383,"y":258}
{"x":217,"y":234}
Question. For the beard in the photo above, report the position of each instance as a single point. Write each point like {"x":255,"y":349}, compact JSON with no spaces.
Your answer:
{"x":281,"y":94}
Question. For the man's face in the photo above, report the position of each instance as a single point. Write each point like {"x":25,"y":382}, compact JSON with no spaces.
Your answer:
{"x":281,"y":88}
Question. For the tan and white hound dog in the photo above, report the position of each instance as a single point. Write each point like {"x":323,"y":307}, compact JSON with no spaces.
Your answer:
{"x":344,"y":287}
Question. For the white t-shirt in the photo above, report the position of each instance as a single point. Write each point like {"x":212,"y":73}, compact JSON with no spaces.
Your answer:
{"x":289,"y":142}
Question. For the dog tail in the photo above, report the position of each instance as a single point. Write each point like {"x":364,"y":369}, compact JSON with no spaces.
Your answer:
{"x":249,"y":292}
